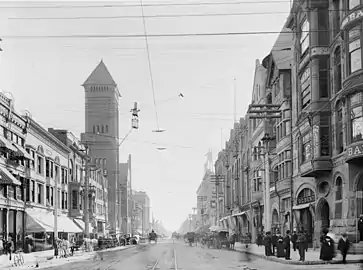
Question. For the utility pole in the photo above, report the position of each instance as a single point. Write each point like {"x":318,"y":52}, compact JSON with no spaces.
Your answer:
{"x":55,"y":237}
{"x":86,"y":201}
{"x":266,"y":112}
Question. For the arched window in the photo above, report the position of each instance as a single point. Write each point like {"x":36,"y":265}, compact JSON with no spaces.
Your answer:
{"x":339,"y":127}
{"x":104,"y":162}
{"x":103,"y":129}
{"x":106,"y":128}
{"x":338,"y":189}
{"x":338,"y":197}
{"x":94,"y":129}
{"x":98,"y":128}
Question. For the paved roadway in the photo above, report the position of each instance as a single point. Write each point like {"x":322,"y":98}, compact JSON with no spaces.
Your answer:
{"x":167,"y":255}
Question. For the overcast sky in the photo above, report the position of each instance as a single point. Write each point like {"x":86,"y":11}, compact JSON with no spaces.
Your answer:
{"x":45,"y":77}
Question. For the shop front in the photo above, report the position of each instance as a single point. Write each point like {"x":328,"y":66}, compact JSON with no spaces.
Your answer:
{"x":40,"y":229}
{"x":304,"y":214}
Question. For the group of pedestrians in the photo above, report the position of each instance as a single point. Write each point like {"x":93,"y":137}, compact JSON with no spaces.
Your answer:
{"x":278,"y":245}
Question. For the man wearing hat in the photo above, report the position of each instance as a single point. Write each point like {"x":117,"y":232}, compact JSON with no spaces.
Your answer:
{"x":343,"y":246}
{"x":360,"y":227}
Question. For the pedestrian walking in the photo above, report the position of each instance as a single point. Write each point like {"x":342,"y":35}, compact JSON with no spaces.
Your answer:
{"x":301,"y":245}
{"x":294,"y":240}
{"x":274,"y":243}
{"x":343,"y":246}
{"x":267,"y":243}
{"x":287,"y":245}
{"x":327,"y":246}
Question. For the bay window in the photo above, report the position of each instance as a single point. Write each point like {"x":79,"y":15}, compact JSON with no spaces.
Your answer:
{"x":324,"y":131}
{"x":284,"y":126}
{"x":306,"y":147}
{"x":354,"y":49}
{"x":305,"y":88}
{"x":304,"y":37}
{"x":356,"y":117}
{"x":337,"y":70}
{"x":339,"y":128}
{"x":284,"y":167}
{"x":355,"y":56}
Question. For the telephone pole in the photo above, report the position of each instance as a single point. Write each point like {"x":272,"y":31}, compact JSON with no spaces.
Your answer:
{"x":86,"y":201}
{"x":265,"y":112}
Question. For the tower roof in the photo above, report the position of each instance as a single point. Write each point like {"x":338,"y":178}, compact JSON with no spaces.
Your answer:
{"x":100,"y":76}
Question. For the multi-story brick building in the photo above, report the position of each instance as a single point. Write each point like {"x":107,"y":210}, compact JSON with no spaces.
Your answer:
{"x":102,"y":134}
{"x":13,"y":176}
{"x":314,"y":73}
{"x":47,"y":186}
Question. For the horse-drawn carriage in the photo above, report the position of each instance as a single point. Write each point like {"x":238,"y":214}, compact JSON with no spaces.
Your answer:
{"x":219,"y":238}
{"x":153,"y":237}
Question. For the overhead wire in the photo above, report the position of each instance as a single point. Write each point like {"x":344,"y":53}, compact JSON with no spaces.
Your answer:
{"x":109,"y":36}
{"x":151,"y":5}
{"x":254,"y":13}
{"x":150,"y":67}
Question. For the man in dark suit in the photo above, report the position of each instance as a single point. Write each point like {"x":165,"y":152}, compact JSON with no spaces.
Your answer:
{"x":287,"y":245}
{"x":343,"y":246}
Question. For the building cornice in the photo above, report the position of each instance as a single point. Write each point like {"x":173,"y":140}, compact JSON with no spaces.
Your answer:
{"x":42,"y":134}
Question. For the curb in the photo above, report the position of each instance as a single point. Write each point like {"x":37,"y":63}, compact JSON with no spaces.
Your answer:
{"x":275,"y":259}
{"x":52,"y":258}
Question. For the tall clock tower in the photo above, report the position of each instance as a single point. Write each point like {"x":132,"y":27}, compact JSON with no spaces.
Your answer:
{"x":102,"y":133}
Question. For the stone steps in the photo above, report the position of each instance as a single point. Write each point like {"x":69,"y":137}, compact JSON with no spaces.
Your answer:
{"x":356,"y":248}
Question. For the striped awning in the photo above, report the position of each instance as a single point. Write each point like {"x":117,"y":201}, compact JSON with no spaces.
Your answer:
{"x":22,"y":152}
{"x":7,"y":178}
{"x":7,"y":144}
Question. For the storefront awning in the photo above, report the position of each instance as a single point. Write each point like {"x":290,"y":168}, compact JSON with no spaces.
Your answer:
{"x":7,"y":178}
{"x":22,"y":152}
{"x":301,"y":206}
{"x":7,"y":144}
{"x":40,"y":222}
{"x":80,"y":223}
{"x":239,"y":214}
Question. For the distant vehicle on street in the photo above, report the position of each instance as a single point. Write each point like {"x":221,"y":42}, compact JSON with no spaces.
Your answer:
{"x":153,"y":237}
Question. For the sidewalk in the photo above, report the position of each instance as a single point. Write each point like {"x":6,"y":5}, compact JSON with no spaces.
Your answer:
{"x":46,"y":258}
{"x":311,"y":257}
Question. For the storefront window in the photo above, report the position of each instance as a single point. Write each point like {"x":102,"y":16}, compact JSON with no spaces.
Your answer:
{"x":353,"y":3}
{"x":356,"y":116}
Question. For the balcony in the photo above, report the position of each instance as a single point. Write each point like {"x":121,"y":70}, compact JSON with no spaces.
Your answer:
{"x":314,"y":168}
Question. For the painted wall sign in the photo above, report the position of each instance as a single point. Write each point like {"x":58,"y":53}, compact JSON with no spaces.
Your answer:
{"x":351,"y":18}
{"x":319,"y":51}
{"x":355,"y":151}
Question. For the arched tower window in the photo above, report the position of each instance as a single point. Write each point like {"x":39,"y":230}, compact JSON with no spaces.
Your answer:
{"x":106,"y":128}
{"x":94,"y":129}
{"x":103,"y":129}
{"x":338,"y":197}
{"x":98,"y":128}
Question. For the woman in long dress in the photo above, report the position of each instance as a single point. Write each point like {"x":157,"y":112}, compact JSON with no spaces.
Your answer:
{"x":327,"y":246}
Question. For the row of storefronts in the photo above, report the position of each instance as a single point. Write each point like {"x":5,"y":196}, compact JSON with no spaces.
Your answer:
{"x":311,"y":142}
{"x":42,"y":171}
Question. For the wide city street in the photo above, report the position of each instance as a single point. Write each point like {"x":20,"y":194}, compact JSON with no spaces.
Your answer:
{"x":177,"y":255}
